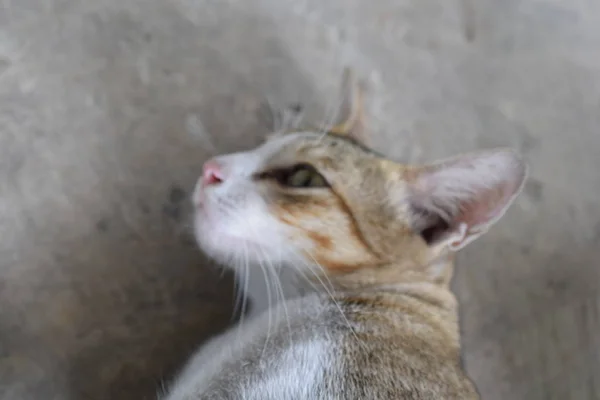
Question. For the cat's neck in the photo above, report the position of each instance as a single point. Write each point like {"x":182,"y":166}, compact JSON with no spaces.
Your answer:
{"x":435,"y":273}
{"x":391,"y":287}
{"x":394,"y":280}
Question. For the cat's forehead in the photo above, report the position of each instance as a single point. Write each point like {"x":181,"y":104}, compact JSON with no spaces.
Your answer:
{"x":290,"y":140}
{"x":323,"y":150}
{"x":312,"y":145}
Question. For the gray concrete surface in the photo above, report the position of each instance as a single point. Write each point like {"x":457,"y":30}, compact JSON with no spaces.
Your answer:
{"x":109,"y":107}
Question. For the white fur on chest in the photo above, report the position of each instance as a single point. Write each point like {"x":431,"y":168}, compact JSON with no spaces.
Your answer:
{"x":294,"y":375}
{"x":292,"y":368}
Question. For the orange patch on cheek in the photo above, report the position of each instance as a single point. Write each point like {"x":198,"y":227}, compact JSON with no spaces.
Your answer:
{"x":320,"y":240}
{"x":286,"y":219}
{"x":308,"y":208}
{"x":335,"y":266}
{"x":292,"y":210}
{"x":296,"y":211}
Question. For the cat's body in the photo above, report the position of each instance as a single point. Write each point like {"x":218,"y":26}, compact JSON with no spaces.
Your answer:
{"x":318,"y":356}
{"x":372,"y":241}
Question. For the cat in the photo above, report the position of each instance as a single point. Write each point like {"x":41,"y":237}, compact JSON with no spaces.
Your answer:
{"x":373,"y":241}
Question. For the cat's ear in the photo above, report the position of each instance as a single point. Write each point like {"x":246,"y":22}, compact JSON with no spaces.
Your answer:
{"x":453,"y":202}
{"x":351,"y":119}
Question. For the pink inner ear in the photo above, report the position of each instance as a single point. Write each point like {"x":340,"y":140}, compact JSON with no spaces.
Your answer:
{"x":486,"y":206}
{"x":469,"y":193}
{"x":480,"y":212}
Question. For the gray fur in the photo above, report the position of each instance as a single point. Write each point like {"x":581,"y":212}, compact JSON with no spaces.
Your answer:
{"x":246,"y":362}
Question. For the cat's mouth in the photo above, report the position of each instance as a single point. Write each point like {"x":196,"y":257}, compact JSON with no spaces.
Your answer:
{"x":225,"y":230}
{"x":226,"y":247}
{"x":199,"y":198}
{"x":211,"y":227}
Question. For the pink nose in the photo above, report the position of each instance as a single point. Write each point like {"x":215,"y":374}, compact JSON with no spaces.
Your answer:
{"x":212,"y":173}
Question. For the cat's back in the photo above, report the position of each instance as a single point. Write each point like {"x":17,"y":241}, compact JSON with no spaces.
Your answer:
{"x":401,"y":345}
{"x":350,"y":347}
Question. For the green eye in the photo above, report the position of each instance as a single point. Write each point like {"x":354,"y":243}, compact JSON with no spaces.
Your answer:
{"x":298,"y":176}
{"x":303,"y":176}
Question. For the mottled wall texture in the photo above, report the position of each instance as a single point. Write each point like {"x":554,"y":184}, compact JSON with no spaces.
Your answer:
{"x":109,"y":107}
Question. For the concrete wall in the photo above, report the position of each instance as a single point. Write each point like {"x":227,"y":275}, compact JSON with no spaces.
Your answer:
{"x":109,"y":107}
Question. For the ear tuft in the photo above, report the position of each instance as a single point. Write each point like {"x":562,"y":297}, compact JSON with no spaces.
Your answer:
{"x":455,"y":201}
{"x":351,"y":119}
{"x":278,"y":120}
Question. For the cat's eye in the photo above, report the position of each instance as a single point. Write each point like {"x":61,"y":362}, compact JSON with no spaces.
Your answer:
{"x":298,"y":176}
{"x":304,"y":176}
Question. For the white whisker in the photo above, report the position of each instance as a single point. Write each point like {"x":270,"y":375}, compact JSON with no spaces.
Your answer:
{"x":330,"y":115}
{"x":329,"y":291}
{"x":244,"y":294}
{"x":237,"y":292}
{"x":282,"y":297}
{"x":268,"y":311}
{"x":331,"y":112}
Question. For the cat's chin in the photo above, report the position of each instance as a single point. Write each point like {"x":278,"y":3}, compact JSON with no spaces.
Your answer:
{"x":234,"y":251}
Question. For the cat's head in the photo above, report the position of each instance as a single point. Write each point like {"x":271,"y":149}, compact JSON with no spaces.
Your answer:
{"x":326,"y":203}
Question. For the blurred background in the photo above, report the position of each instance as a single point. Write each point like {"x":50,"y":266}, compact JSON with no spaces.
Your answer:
{"x":108,"y":109}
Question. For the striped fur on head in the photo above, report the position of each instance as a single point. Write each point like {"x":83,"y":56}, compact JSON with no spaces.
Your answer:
{"x":374,"y":221}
